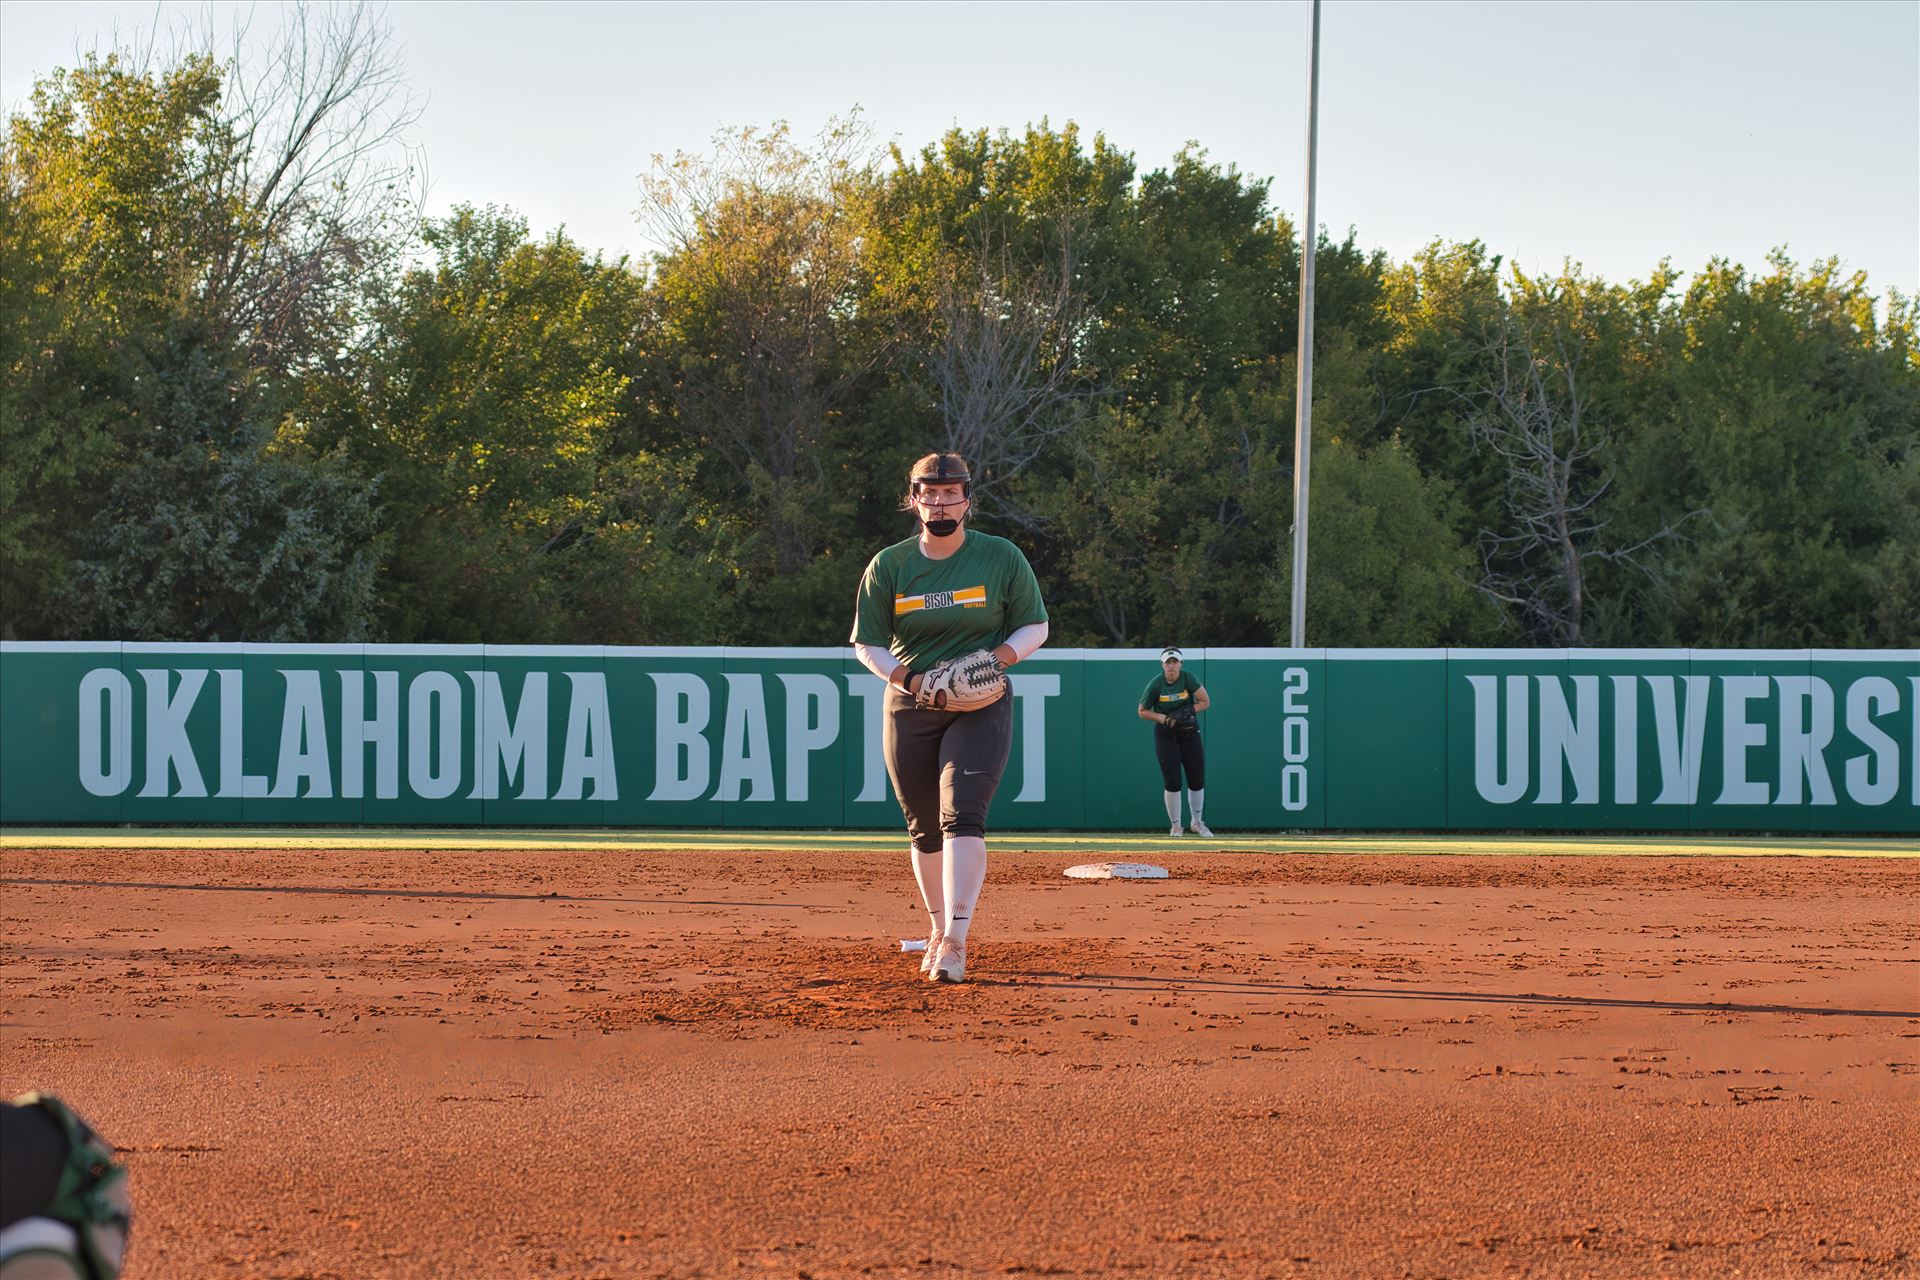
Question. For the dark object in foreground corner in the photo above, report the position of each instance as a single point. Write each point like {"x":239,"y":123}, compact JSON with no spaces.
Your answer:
{"x":64,"y":1210}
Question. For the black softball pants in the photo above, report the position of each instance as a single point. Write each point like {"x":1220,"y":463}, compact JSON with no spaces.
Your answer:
{"x":945,"y":765}
{"x":1176,"y":751}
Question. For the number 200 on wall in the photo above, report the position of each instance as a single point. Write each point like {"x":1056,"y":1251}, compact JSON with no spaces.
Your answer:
{"x":1293,"y":740}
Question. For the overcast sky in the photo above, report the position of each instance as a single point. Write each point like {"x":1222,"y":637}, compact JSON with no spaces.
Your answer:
{"x":1613,"y":133}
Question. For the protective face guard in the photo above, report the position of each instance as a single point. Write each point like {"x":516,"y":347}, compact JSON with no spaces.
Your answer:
{"x":942,"y":473}
{"x":945,"y":523}
{"x":920,"y":486}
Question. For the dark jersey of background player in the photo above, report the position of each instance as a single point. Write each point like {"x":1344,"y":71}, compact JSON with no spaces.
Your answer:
{"x":1172,"y":700}
{"x":1167,"y":696}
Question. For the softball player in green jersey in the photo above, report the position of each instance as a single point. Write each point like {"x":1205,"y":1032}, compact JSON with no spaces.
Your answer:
{"x":1173,"y":701}
{"x":942,"y":593}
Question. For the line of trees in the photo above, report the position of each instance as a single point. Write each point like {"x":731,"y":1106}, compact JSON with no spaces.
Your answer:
{"x":249,"y":395}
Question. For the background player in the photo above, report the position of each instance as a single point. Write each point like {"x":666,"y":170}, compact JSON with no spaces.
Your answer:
{"x":1173,"y":700}
{"x":925,"y":607}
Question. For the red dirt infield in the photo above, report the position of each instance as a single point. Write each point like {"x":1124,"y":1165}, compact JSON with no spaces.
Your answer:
{"x":419,"y":1063}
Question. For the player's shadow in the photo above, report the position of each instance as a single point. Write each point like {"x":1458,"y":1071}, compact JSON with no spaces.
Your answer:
{"x":459,"y":895}
{"x":1210,"y":987}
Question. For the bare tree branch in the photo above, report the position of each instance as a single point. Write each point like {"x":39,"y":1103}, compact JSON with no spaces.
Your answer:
{"x":1002,"y":359}
{"x":1531,"y":409}
{"x":318,"y":173}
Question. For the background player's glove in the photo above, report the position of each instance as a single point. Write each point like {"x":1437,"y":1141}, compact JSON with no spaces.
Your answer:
{"x":1183,"y":720}
{"x":966,"y":683}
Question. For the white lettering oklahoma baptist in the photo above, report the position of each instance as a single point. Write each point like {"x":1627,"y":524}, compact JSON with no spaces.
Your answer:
{"x":510,"y":743}
{"x":503,"y":744}
{"x":684,"y":709}
{"x":1570,"y":738}
{"x":507,"y":743}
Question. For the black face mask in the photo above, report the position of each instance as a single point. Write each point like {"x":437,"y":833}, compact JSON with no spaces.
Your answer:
{"x":943,"y":525}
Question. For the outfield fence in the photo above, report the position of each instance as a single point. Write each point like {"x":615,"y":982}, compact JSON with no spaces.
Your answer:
{"x":1815,"y":741}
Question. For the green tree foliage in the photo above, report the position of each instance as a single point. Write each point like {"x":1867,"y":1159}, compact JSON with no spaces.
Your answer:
{"x":213,"y":531}
{"x":758,"y":340}
{"x":227,"y":411}
{"x":494,"y":406}
{"x":1546,"y":398}
{"x":150,"y":335}
{"x":97,"y":177}
{"x":1790,"y":416}
{"x":1196,"y":341}
{"x":996,"y":276}
{"x":1386,"y":564}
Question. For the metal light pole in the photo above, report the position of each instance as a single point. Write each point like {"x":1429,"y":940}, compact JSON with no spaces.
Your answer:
{"x":1303,"y":407}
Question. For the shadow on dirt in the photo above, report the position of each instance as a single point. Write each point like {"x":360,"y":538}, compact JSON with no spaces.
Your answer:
{"x":401,"y":893}
{"x":1206,"y":986}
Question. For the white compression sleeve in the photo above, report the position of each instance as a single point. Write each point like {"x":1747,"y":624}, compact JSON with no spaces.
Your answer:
{"x":963,"y":871}
{"x":929,"y":872}
{"x":879,"y":661}
{"x":1026,"y":640}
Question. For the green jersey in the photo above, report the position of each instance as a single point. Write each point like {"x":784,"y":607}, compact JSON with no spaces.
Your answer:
{"x":1163,"y":697}
{"x":926,"y":611}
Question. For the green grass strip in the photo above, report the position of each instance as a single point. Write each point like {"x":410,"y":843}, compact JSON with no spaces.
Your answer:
{"x":1120,"y":844}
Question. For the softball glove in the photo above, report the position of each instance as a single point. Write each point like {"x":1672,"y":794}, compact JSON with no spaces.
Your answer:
{"x":966,"y":683}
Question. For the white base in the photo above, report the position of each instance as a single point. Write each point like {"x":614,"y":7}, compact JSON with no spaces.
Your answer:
{"x":1116,"y":871}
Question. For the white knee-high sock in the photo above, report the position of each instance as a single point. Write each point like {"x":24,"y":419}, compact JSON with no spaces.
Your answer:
{"x":1195,"y":799}
{"x":965,"y":872}
{"x":1173,"y":806}
{"x":927,"y":871}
